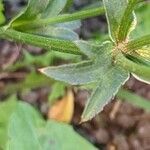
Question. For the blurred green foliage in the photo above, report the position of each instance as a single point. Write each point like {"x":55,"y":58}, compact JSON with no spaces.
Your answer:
{"x":20,"y":125}
{"x":2,"y":17}
{"x":22,"y":128}
{"x":143,"y":23}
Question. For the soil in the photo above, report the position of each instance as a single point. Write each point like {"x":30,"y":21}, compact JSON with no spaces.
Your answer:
{"x":127,"y":129}
{"x":116,"y":128}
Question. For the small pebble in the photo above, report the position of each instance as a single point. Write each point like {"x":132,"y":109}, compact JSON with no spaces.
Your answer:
{"x":125,"y":121}
{"x":102,"y":136}
{"x":120,"y":142}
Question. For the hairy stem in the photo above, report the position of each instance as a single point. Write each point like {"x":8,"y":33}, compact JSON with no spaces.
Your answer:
{"x":40,"y":41}
{"x":133,"y":67}
{"x":61,"y":18}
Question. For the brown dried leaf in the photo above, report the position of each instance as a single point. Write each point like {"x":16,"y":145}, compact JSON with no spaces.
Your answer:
{"x":63,"y":110}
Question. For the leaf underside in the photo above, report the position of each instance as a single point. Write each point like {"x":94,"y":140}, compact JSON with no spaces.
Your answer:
{"x":84,"y":72}
{"x":106,"y":89}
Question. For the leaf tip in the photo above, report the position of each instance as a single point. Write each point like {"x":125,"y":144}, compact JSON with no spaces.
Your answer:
{"x":41,"y":70}
{"x":84,"y":119}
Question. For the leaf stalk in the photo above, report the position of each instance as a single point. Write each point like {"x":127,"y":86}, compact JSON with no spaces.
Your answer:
{"x":61,"y":18}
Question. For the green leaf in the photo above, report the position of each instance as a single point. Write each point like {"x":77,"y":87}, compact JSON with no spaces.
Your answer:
{"x":76,"y":74}
{"x":32,"y":11}
{"x":6,"y":109}
{"x":72,"y":25}
{"x":2,"y":17}
{"x":28,"y":131}
{"x":143,"y":23}
{"x":142,"y":79}
{"x":106,"y":89}
{"x":138,"y":59}
{"x":140,"y":70}
{"x":68,"y":5}
{"x":58,"y":90}
{"x":56,"y":32}
{"x":142,"y":57}
{"x":37,"y":10}
{"x":134,"y":99}
{"x":128,"y":22}
{"x":67,"y":57}
{"x":141,"y":61}
{"x":62,"y":136}
{"x":54,"y":8}
{"x":92,"y":50}
{"x":87,"y":48}
{"x":86,"y":71}
{"x":115,"y":11}
{"x":22,"y":130}
{"x":138,"y":43}
{"x":47,"y":9}
{"x":62,"y":30}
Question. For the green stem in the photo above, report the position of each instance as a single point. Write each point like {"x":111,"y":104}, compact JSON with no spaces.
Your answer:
{"x":134,"y":99}
{"x":132,"y":67}
{"x":40,"y":41}
{"x":61,"y":18}
{"x":138,"y":43}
